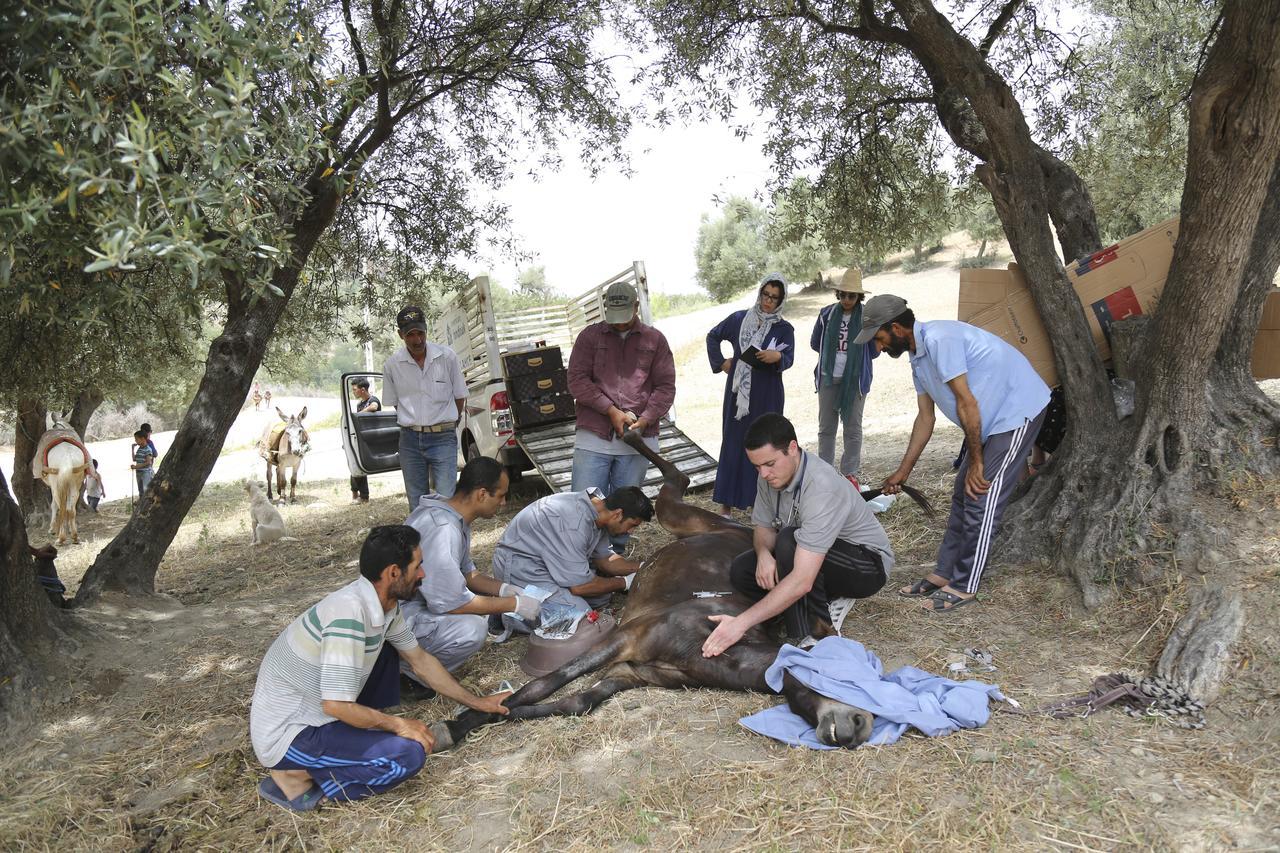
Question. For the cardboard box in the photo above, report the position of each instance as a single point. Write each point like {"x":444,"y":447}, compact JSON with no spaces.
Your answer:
{"x":1017,"y":321}
{"x":1113,"y":284}
{"x":1123,"y":280}
{"x":982,"y":288}
{"x":1266,"y":346}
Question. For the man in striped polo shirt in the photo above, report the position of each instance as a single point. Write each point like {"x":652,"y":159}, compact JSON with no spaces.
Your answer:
{"x":315,"y":721}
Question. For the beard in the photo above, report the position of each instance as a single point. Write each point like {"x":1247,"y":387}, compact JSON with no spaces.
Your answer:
{"x":898,"y":344}
{"x":406,"y":589}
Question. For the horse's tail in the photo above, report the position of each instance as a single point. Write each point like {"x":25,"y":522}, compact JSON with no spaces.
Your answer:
{"x":912,"y":492}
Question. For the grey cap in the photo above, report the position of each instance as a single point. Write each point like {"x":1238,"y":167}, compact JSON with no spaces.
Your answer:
{"x":878,"y":311}
{"x":619,"y":303}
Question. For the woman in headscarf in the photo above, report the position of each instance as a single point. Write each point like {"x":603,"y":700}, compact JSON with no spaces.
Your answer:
{"x":754,"y":384}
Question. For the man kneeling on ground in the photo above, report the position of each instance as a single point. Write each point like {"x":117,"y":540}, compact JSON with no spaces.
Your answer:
{"x":448,"y":613}
{"x":314,"y":720}
{"x":560,"y":544}
{"x":815,"y":540}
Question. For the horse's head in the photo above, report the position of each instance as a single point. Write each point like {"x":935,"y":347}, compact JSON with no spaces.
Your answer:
{"x":294,"y":439}
{"x":60,"y":420}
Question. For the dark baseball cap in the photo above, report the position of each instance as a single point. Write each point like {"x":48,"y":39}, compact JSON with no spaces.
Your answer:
{"x":878,"y":311}
{"x":410,"y":318}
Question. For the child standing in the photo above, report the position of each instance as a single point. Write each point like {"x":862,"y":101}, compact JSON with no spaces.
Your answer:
{"x":93,"y":489}
{"x":143,"y":458}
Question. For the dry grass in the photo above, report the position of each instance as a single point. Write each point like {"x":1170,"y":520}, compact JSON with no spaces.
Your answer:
{"x":153,"y":752}
{"x":150,"y":749}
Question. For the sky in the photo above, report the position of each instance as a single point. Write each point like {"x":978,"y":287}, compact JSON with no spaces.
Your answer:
{"x":584,"y":230}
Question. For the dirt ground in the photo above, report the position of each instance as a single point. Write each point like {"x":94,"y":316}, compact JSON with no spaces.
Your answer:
{"x":148,"y":748}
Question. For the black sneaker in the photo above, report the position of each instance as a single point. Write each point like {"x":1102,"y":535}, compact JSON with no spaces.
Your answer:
{"x":412,"y":691}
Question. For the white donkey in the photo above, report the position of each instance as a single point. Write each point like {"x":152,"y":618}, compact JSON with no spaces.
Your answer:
{"x":61,"y":461}
{"x":283,"y":445}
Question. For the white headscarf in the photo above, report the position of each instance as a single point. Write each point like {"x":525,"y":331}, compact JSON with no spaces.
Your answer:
{"x":755,"y":328}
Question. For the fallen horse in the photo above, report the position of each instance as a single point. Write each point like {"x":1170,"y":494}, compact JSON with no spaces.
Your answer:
{"x":659,"y":641}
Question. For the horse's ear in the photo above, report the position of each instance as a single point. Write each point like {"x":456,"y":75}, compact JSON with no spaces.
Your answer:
{"x":303,"y":413}
{"x":282,"y":415}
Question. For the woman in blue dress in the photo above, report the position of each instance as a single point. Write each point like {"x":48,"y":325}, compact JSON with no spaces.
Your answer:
{"x":753,"y":386}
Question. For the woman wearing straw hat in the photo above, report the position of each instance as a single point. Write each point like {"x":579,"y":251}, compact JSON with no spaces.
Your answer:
{"x":763,"y":346}
{"x":842,"y":376}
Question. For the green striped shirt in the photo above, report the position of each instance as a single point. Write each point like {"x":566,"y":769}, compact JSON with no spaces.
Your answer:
{"x":326,"y":653}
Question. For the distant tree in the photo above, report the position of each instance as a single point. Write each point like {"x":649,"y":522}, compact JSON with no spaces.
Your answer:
{"x":533,"y":282}
{"x":977,"y":215}
{"x":731,"y":253}
{"x":1131,"y":94}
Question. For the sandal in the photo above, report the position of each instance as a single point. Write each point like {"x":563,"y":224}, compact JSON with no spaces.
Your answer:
{"x":304,"y":802}
{"x":945,"y":602}
{"x":922,"y":588}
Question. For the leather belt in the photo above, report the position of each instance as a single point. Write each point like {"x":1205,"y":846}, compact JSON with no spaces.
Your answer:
{"x":445,"y":427}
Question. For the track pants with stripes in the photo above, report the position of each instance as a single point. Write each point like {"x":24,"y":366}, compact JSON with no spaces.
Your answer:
{"x":973,"y":524}
{"x":350,"y":763}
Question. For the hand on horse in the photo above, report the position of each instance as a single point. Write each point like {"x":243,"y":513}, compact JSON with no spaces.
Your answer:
{"x":766,"y":571}
{"x":893,"y":483}
{"x":492,"y":704}
{"x":727,"y":632}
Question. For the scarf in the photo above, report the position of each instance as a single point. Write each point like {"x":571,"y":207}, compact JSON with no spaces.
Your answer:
{"x":851,"y":382}
{"x":755,"y":328}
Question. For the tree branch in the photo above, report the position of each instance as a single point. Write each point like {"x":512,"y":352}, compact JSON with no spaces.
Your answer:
{"x":998,"y":26}
{"x":356,"y":47}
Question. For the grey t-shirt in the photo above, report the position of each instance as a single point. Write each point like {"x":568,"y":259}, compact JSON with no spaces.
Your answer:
{"x":550,"y":544}
{"x":446,"y":555}
{"x":824,"y":506}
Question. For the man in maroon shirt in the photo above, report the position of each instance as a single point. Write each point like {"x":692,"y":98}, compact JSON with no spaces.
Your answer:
{"x":623,"y":377}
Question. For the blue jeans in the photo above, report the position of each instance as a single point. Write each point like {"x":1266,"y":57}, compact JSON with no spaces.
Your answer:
{"x":608,"y":473}
{"x":143,"y":476}
{"x":424,"y":454}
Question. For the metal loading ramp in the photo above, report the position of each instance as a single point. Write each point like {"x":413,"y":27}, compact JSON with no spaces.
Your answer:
{"x":550,"y":449}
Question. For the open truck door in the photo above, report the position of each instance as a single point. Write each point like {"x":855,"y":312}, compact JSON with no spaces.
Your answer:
{"x":371,"y":440}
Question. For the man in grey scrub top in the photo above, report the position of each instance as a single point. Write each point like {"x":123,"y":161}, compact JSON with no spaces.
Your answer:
{"x":560,"y":544}
{"x":815,"y":539}
{"x":449,"y":614}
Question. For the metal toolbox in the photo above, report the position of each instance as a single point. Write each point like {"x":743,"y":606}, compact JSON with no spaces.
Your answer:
{"x":542,"y":410}
{"x":541,"y":360}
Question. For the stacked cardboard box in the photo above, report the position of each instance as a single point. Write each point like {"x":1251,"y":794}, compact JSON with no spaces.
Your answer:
{"x":1118,"y":282}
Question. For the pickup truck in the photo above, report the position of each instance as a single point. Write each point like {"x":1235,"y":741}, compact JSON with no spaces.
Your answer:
{"x":468,"y":325}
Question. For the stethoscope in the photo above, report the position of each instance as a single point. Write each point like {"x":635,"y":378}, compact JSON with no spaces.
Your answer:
{"x":777,"y":499}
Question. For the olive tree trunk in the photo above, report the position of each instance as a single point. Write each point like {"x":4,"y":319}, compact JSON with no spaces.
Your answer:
{"x":33,"y":495}
{"x":130,"y":562}
{"x":28,"y":622}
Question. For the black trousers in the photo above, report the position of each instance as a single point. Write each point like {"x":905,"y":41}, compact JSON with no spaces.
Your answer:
{"x":848,"y":571}
{"x":360,"y":486}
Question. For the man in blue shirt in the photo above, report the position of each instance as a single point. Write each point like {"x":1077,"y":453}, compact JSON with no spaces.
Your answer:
{"x":989,"y":390}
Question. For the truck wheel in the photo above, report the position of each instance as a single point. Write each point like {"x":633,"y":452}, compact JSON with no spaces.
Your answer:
{"x":469,"y":449}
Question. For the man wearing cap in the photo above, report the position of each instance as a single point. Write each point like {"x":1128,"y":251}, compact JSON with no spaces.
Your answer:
{"x":842,"y":376}
{"x":990,"y":390}
{"x":448,"y":615}
{"x":622,"y":377}
{"x":424,"y":383}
